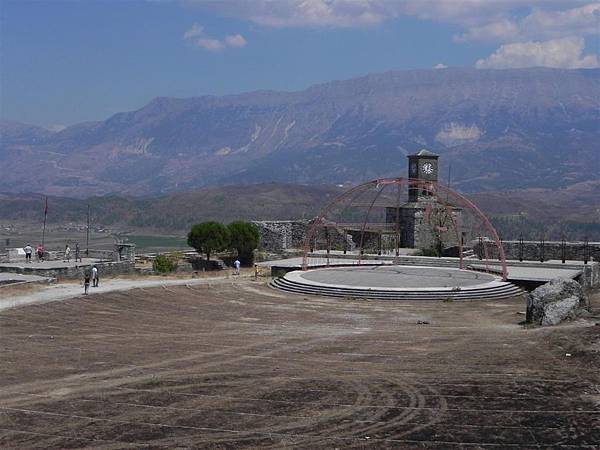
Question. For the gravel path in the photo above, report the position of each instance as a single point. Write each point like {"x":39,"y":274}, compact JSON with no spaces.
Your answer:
{"x":64,"y":291}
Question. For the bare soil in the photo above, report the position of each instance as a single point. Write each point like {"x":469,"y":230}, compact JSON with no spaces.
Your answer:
{"x":235,"y":364}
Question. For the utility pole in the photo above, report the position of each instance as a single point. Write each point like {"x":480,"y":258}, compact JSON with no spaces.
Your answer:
{"x":45,"y":216}
{"x":449,"y":180}
{"x":87,"y":237}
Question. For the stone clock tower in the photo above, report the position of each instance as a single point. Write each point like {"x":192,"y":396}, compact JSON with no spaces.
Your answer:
{"x":415,"y":217}
{"x":422,"y":166}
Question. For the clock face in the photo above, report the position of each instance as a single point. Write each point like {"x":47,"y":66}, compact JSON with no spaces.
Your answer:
{"x":427,"y":168}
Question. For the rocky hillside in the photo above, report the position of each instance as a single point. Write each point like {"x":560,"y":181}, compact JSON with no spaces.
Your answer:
{"x":500,"y":129}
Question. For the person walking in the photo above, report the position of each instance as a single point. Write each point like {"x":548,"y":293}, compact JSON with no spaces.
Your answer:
{"x":77,"y":255}
{"x":28,"y":251}
{"x":95,"y":277}
{"x":86,"y":282}
{"x":68,"y":253}
{"x":236,"y":265}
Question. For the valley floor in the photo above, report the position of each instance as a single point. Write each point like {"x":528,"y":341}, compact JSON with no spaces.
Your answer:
{"x":235,"y":364}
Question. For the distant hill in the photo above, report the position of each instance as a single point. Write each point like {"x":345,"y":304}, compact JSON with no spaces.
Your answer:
{"x":548,"y":212}
{"x":174,"y":212}
{"x":500,"y":130}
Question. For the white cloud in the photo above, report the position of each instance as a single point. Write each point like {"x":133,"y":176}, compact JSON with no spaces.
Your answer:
{"x":440,"y":66}
{"x":196,"y":30}
{"x":533,"y":23}
{"x":501,"y":30}
{"x":213,"y":45}
{"x":538,"y":24}
{"x":235,"y":40}
{"x":307,"y":13}
{"x":580,"y":21}
{"x":562,"y":53}
{"x":488,"y":20}
{"x":197,"y":37}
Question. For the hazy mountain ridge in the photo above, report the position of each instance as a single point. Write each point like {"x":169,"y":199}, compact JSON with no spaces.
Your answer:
{"x":551,"y":212}
{"x":500,"y":129}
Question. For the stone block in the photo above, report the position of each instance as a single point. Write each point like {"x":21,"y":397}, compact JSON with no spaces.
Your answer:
{"x":555,"y":301}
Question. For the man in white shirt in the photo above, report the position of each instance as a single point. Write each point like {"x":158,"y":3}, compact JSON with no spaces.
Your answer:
{"x":95,"y":277}
{"x":28,"y":251}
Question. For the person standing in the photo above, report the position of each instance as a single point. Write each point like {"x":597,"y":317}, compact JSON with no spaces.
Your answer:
{"x":77,"y":255}
{"x":236,"y":265}
{"x":40,"y":252}
{"x":28,"y":251}
{"x":95,"y":277}
{"x":86,"y":282}
{"x":68,"y":253}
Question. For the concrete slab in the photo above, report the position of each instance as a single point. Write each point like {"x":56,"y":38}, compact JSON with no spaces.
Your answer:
{"x":545,"y":274}
{"x":393,"y":277}
{"x":12,"y":278}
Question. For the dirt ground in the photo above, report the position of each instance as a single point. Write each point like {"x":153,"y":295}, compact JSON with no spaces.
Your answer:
{"x":235,"y":364}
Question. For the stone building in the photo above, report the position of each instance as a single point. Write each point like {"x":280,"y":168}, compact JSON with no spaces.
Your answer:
{"x":423,"y":222}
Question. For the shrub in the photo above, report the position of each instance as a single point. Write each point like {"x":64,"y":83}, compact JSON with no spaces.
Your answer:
{"x":428,"y":252}
{"x":164,"y":263}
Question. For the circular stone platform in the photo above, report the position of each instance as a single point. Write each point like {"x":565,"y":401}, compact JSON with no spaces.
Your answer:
{"x":392,"y":282}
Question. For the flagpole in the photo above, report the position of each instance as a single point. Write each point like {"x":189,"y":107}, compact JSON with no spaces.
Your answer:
{"x":45,"y":215}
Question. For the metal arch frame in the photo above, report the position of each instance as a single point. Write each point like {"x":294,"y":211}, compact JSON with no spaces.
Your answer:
{"x":432,"y":188}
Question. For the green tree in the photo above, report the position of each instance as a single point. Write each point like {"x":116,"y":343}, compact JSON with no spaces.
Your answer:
{"x":244,"y":239}
{"x":208,"y":237}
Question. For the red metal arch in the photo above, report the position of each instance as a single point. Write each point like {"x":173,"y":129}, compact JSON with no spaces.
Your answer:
{"x":433,"y":188}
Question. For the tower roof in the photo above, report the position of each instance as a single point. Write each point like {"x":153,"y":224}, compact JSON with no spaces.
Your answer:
{"x":424,"y":152}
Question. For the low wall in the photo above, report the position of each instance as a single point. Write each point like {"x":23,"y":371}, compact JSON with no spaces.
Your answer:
{"x":106,"y":268}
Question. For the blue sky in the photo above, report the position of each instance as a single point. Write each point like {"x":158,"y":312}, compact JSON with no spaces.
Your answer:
{"x":68,"y":62}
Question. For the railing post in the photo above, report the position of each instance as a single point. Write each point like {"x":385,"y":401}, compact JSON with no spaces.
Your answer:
{"x":521,"y":248}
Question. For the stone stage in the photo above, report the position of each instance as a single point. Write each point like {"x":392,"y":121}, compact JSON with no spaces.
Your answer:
{"x":397,"y":282}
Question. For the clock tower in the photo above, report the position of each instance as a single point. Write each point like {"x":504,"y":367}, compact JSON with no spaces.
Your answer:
{"x":416,"y":220}
{"x":422,"y":166}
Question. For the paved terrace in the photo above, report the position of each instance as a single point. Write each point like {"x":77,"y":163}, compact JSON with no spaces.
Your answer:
{"x":517,"y":271}
{"x":47,"y":265}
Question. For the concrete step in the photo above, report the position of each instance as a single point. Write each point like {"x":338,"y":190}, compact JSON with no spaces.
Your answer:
{"x":506,"y":290}
{"x":373,"y":296}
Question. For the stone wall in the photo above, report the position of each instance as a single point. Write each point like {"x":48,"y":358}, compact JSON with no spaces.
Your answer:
{"x":276,"y":236}
{"x":105,"y":268}
{"x":279,"y":235}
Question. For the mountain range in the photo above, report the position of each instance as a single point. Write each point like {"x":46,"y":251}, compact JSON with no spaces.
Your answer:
{"x":499,"y":130}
